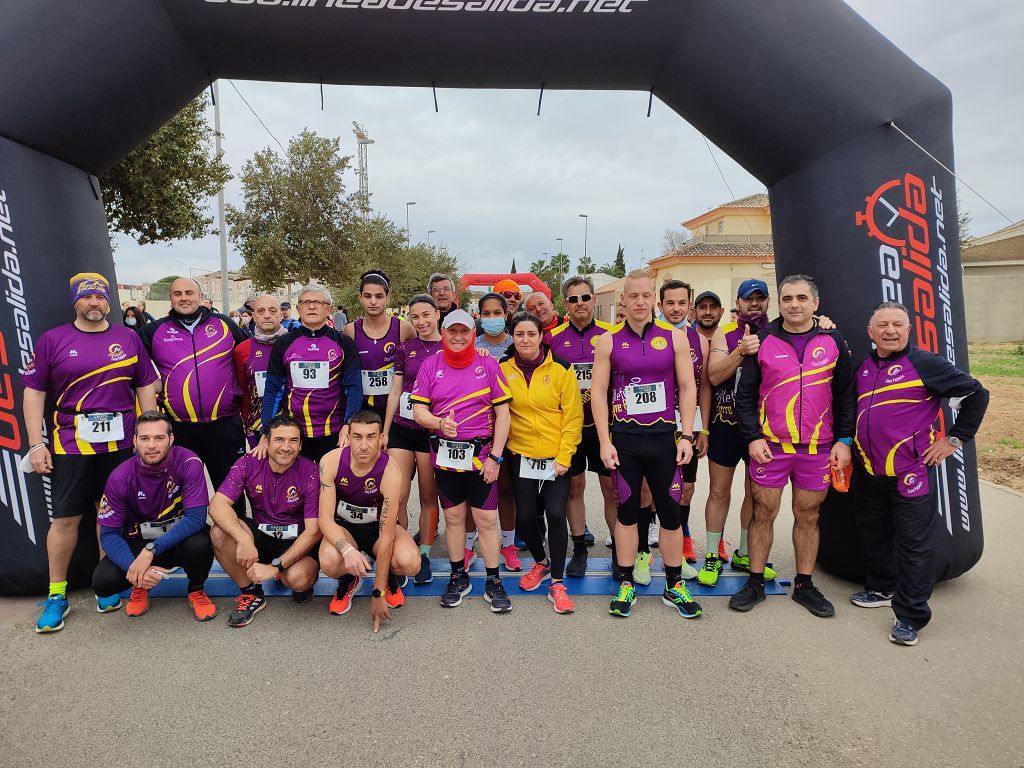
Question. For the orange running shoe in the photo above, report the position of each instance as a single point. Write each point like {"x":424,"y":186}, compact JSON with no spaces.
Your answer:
{"x":723,"y":552}
{"x":394,"y":597}
{"x":688,"y":554}
{"x":202,"y":605}
{"x":138,"y":603}
{"x":534,"y":577}
{"x":558,"y":596}
{"x":341,"y":603}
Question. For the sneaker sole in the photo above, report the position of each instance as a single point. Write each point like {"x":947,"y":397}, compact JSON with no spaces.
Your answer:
{"x":202,"y":619}
{"x":879,"y":604}
{"x":420,"y":582}
{"x":907,"y":643}
{"x":496,"y":610}
{"x":620,"y":614}
{"x":575,"y":573}
{"x":351,"y":599}
{"x":111,"y":609}
{"x":747,"y":606}
{"x":535,"y":586}
{"x":705,"y":582}
{"x":508,"y":567}
{"x":819,"y":614}
{"x":681,"y":610}
{"x":248,"y":621}
{"x":58,"y":628}
{"x":555,"y":605}
{"x":459,"y":601}
{"x":136,"y":615}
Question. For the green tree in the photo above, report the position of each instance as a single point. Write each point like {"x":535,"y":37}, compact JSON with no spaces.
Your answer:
{"x":541,"y":270}
{"x":587,"y":266}
{"x":160,"y":190}
{"x":963,"y":220}
{"x":618,"y":267}
{"x":513,"y":270}
{"x":160,"y":289}
{"x":296,"y":223}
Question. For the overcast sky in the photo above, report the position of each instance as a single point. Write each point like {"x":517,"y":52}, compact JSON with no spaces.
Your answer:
{"x":496,"y":182}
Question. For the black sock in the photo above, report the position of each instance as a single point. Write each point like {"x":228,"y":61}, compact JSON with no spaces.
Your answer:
{"x":579,"y":545}
{"x":685,"y":517}
{"x":673,"y":575}
{"x":625,"y":573}
{"x":197,"y":586}
{"x":801,"y":580}
{"x":757,"y":578}
{"x":253,"y":589}
{"x":392,"y":582}
{"x":492,"y":573}
{"x":458,"y":565}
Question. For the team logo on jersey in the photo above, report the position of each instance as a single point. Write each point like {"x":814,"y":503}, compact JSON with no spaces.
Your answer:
{"x":389,"y":347}
{"x":292,"y":493}
{"x":593,"y":341}
{"x":332,"y":354}
{"x":370,"y":485}
{"x":259,"y":353}
{"x":625,"y":345}
{"x":313,"y":347}
{"x":693,"y":355}
{"x":116,"y":352}
{"x":105,"y":510}
{"x":759,"y":471}
{"x":258,"y":488}
{"x":658,"y":342}
{"x":818,"y":353}
{"x":567,"y":343}
{"x":480,"y":372}
{"x":73,"y":353}
{"x":343,"y":481}
{"x":210,"y":331}
{"x":439,"y":375}
{"x":910,"y":479}
{"x":894,"y":370}
{"x":413,"y":353}
{"x":172,"y":487}
{"x":546,"y":380}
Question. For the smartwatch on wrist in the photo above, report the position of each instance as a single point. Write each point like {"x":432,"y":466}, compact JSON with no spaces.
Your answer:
{"x":151,"y":547}
{"x":687,"y":437}
{"x":276,"y":562}
{"x":377,"y":592}
{"x":497,"y":458}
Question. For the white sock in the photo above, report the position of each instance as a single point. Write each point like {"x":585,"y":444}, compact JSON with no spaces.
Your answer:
{"x":743,"y":543}
{"x":508,"y":538}
{"x":470,"y":540}
{"x":713,"y":539}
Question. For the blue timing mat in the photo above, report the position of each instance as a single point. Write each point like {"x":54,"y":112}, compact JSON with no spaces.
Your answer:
{"x":598,"y":581}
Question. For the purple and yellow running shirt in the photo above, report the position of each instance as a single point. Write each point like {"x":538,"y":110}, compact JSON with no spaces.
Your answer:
{"x":470,"y":394}
{"x":142,"y":501}
{"x":643,"y":380}
{"x":315,"y":374}
{"x":723,"y":396}
{"x":408,"y":359}
{"x":377,"y":363}
{"x":252,"y":358}
{"x":359,"y":497}
{"x":284,"y":499}
{"x":92,"y":378}
{"x":576,"y":347}
{"x":196,"y":366}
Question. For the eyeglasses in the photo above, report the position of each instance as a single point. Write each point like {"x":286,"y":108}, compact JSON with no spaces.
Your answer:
{"x":578,"y":299}
{"x":315,"y":303}
{"x":442,"y":289}
{"x":512,"y":295}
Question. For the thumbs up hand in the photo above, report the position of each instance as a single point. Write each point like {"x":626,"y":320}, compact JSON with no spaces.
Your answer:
{"x":749,"y":344}
{"x":448,"y":425}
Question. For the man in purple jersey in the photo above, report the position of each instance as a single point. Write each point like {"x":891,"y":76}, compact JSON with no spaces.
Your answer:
{"x":193,"y":348}
{"x":795,"y":405}
{"x":252,"y":358}
{"x":314,"y":377}
{"x":153,"y":518}
{"x":574,"y":341}
{"x":359,"y":490}
{"x":93,"y":372}
{"x":461,"y":396}
{"x":279,"y":540}
{"x":900,"y":389}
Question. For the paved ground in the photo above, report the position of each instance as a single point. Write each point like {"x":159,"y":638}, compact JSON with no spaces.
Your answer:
{"x":776,"y":687}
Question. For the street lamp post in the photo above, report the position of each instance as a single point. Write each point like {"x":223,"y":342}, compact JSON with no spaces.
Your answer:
{"x":408,"y":232}
{"x":429,"y":233}
{"x":586,"y":231}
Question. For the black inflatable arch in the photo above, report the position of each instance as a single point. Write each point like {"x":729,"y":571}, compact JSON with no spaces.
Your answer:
{"x":799,"y":93}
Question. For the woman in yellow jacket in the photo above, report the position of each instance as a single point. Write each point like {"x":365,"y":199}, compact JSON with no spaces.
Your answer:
{"x":546,"y":428}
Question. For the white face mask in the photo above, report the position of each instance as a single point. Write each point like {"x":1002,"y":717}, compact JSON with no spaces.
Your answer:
{"x":130,"y":322}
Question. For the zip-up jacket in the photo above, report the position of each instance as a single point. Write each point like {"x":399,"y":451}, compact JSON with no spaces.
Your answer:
{"x":799,"y":402}
{"x":547,"y":413}
{"x":197,"y":366}
{"x":898,"y":400}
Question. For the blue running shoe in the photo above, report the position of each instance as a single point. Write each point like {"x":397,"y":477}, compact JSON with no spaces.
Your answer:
{"x":902,"y":633}
{"x":108,"y":604}
{"x":52,"y":618}
{"x":872,"y":599}
{"x":588,"y":537}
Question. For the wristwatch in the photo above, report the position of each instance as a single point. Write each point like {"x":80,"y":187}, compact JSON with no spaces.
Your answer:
{"x":151,"y":547}
{"x":377,"y":593}
{"x":276,"y":562}
{"x":956,"y":442}
{"x":686,"y":437}
{"x":497,"y":458}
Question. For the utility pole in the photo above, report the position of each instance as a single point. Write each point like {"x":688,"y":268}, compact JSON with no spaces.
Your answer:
{"x":362,"y":142}
{"x":220,"y":209}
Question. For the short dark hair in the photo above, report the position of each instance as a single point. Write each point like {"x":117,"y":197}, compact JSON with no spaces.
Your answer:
{"x":149,"y":417}
{"x":437,"y":277}
{"x":800,"y":278}
{"x":891,"y":305}
{"x":422,"y":298}
{"x":526,"y":317}
{"x":577,"y":280}
{"x":283,"y":420}
{"x":492,"y":295}
{"x":674,"y":285}
{"x":375,"y":277}
{"x":366,"y":416}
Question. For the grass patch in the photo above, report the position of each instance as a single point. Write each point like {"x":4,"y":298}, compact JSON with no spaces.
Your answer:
{"x":997,"y":360}
{"x":1011,"y":442}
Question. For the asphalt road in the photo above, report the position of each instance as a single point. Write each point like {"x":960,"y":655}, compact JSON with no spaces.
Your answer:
{"x":776,"y":687}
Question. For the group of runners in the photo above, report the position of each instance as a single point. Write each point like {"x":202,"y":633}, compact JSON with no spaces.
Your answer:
{"x":320,"y":432}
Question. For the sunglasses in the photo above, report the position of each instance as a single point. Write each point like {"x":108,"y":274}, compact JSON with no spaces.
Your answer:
{"x":578,"y":299}
{"x":512,"y":295}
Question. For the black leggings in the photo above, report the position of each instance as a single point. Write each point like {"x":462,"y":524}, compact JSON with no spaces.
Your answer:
{"x":219,"y":444}
{"x":194,"y":555}
{"x":651,"y":457}
{"x":550,"y":498}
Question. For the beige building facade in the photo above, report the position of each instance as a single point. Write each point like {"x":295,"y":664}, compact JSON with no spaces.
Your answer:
{"x":993,"y":284}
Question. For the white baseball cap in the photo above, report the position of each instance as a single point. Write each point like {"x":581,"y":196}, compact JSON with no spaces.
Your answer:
{"x":459,"y":317}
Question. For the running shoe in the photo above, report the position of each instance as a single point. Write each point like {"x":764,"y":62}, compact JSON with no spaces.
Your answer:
{"x":494,"y":593}
{"x":687,"y":571}
{"x":653,"y":532}
{"x":302,"y":597}
{"x":679,"y":597}
{"x":558,"y":596}
{"x":751,"y":594}
{"x":521,"y":545}
{"x":642,"y":568}
{"x":871,"y":599}
{"x":510,"y":556}
{"x":394,"y":596}
{"x":742,"y":563}
{"x":138,"y":603}
{"x":577,"y":567}
{"x":722,"y":552}
{"x":202,"y":605}
{"x":403,"y":581}
{"x":247,"y":605}
{"x":341,"y":603}
{"x":711,"y":570}
{"x":902,"y":633}
{"x":108,"y":604}
{"x":622,"y":604}
{"x":588,"y":537}
{"x":810,"y":597}
{"x":534,"y":577}
{"x":52,"y":617}
{"x":470,"y":558}
{"x":688,"y":554}
{"x":425,"y":575}
{"x":608,"y":540}
{"x":458,"y":587}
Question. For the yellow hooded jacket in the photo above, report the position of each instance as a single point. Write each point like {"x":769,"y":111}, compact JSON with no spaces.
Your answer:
{"x":547,"y":415}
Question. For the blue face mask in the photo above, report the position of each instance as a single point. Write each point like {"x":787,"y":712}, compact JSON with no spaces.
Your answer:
{"x":493,"y":326}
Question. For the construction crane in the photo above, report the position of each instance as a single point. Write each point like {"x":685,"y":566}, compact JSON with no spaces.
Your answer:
{"x":363,"y":141}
